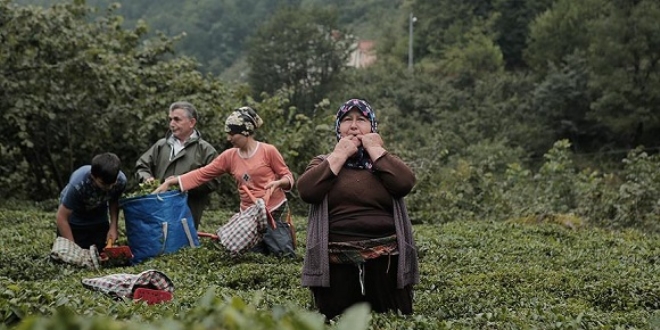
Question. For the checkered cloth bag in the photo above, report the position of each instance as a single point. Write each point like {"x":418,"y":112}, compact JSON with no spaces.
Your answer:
{"x":246,"y":228}
{"x":69,"y":252}
{"x":121,"y":286}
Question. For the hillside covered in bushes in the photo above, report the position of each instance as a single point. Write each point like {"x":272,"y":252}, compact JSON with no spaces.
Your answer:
{"x":531,"y":127}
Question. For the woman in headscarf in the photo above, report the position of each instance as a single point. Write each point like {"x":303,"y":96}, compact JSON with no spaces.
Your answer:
{"x":360,"y":246}
{"x":257,"y":165}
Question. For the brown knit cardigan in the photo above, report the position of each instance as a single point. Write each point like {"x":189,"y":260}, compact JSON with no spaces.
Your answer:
{"x":316,"y":267}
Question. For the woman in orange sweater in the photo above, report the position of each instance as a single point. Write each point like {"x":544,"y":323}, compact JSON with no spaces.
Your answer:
{"x":252,"y":163}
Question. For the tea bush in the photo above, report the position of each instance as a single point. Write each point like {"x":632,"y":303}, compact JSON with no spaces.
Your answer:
{"x":490,"y":183}
{"x":526,"y":273}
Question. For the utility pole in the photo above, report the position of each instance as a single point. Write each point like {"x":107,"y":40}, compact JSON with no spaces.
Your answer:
{"x":412,"y":20}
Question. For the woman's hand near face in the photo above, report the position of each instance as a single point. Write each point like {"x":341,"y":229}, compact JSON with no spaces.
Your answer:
{"x":345,"y":148}
{"x":371,"y":140}
{"x":373,"y":144}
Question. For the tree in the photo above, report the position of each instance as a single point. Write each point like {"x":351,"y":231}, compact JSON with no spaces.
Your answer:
{"x":442,"y":24}
{"x":512,"y":27}
{"x":72,"y":87}
{"x":472,"y":59}
{"x":302,"y":51}
{"x":560,"y":31}
{"x":620,"y":44}
{"x":561,"y":102}
{"x":445,"y":24}
{"x":624,"y":54}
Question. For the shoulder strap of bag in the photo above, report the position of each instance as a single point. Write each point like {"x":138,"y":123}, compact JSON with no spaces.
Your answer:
{"x":271,"y":220}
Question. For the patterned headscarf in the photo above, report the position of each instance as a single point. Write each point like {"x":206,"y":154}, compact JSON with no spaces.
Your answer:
{"x":360,"y":105}
{"x":244,"y":121}
{"x":361,"y":159}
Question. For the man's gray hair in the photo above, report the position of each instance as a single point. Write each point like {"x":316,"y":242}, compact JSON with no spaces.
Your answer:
{"x":190,"y":110}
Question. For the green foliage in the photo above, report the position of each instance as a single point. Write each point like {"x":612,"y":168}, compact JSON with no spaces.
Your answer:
{"x":146,"y":188}
{"x":464,"y":186}
{"x":560,"y":31}
{"x":569,"y":220}
{"x":619,"y":45}
{"x":487,"y":182}
{"x":76,"y":82}
{"x":537,"y":70}
{"x":512,"y":27}
{"x":478,"y":57}
{"x":615,"y":200}
{"x":302,"y":51}
{"x":554,"y":180}
{"x":210,"y":312}
{"x":217,"y":31}
{"x":76,"y":87}
{"x":367,"y":18}
{"x":626,"y":199}
{"x":561,"y":101}
{"x":624,"y":53}
{"x":292,"y":131}
{"x":445,"y":25}
{"x":214,"y":32}
{"x":474,"y":275}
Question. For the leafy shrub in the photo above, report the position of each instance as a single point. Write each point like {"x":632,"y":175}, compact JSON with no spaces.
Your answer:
{"x":630,"y":198}
{"x":486,"y":181}
{"x":466,"y":185}
{"x":474,"y":275}
{"x":210,"y":312}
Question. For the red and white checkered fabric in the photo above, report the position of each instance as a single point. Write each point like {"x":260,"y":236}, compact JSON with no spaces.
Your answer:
{"x":123,"y":285}
{"x":69,"y":252}
{"x":245,"y":229}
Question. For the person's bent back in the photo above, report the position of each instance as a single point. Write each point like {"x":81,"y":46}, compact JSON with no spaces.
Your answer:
{"x":89,"y":200}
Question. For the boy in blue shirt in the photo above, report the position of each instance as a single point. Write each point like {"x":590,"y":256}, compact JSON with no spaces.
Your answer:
{"x":93,"y":191}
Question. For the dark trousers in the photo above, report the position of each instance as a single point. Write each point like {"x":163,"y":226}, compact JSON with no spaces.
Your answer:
{"x":379,"y":286}
{"x":85,"y":236}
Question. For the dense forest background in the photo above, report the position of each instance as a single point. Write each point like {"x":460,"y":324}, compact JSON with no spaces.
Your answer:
{"x":510,"y":107}
{"x":216,"y":33}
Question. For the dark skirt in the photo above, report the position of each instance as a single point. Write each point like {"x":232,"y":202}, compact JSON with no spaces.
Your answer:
{"x":379,"y":286}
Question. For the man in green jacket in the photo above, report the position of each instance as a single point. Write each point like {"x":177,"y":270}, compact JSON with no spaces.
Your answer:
{"x":181,"y":151}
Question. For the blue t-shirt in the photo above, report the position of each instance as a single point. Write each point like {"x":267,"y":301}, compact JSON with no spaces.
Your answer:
{"x":88,"y":202}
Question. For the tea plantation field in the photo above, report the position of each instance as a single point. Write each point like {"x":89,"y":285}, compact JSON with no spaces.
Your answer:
{"x":475,"y":275}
